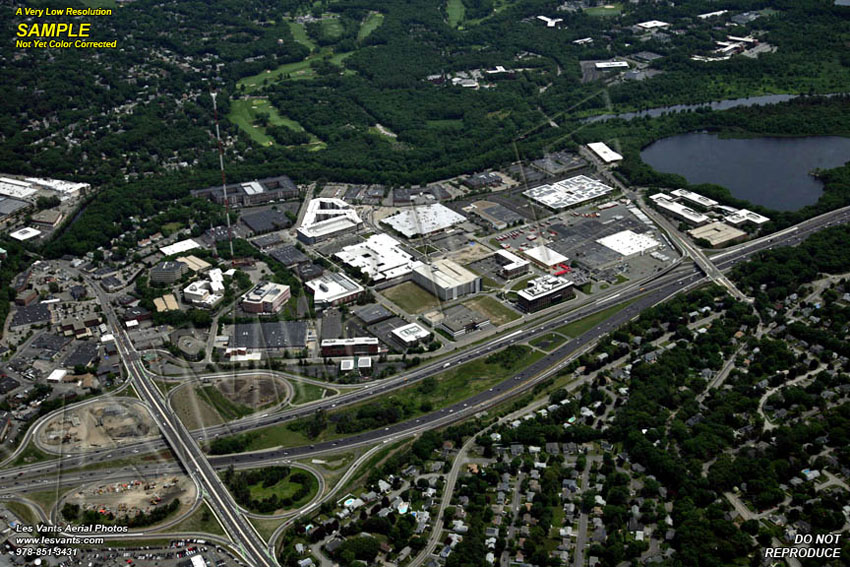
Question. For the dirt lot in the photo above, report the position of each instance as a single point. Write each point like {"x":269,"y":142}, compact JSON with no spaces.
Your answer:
{"x":253,"y":391}
{"x":129,"y":497}
{"x":470,"y":254}
{"x":99,"y":425}
{"x":196,"y":408}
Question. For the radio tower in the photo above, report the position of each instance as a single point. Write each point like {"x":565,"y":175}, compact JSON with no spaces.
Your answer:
{"x":223,"y":180}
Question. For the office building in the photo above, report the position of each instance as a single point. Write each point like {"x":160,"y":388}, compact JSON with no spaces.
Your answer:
{"x":333,"y":288}
{"x":278,"y":188}
{"x":326,"y":218}
{"x":544,"y":291}
{"x":446,"y":279}
{"x":168,"y":272}
{"x":265,"y":297}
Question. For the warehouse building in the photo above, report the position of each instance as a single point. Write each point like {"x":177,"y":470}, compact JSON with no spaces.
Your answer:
{"x":678,"y":210}
{"x":601,"y":149}
{"x":354,"y":346}
{"x":10,"y":208}
{"x":289,"y":256}
{"x":266,"y":190}
{"x":424,"y":221}
{"x":544,"y":291}
{"x":179,"y":247}
{"x":446,"y":279}
{"x":497,"y":216}
{"x":545,"y":257}
{"x":326,"y":218}
{"x":49,"y":218}
{"x":510,"y":265}
{"x":265,"y":297}
{"x":568,"y":192}
{"x":168,"y":272}
{"x":379,"y":258}
{"x":333,"y":288}
{"x":16,"y":188}
{"x":460,"y":320}
{"x":718,"y":234}
{"x":628,"y":243}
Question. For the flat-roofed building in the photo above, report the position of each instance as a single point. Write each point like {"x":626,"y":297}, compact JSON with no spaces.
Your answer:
{"x":446,"y":279}
{"x":326,"y":218}
{"x":372,"y":313}
{"x":250,"y":193}
{"x":718,"y":234}
{"x":179,"y":247}
{"x":459,"y":320}
{"x":168,"y":271}
{"x":653,"y":25}
{"x":694,"y":198}
{"x":411,"y":334}
{"x":544,"y":256}
{"x":379,"y":258}
{"x":743,"y":216}
{"x":678,"y":210}
{"x":544,"y":291}
{"x":12,"y":208}
{"x":268,"y":336}
{"x":49,"y":218}
{"x":16,"y":188}
{"x":568,"y":192}
{"x":510,"y":265}
{"x":289,"y":256}
{"x":194,"y":263}
{"x":206,"y":293}
{"x":605,"y":65}
{"x":24,"y":234}
{"x":628,"y":243}
{"x":603,"y":152}
{"x":265,"y":297}
{"x":498,"y":216}
{"x":350,"y":347}
{"x":333,"y":288}
{"x":165,"y":303}
{"x":423,"y":221}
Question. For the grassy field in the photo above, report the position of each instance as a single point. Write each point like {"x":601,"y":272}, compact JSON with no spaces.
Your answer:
{"x":200,"y":521}
{"x":304,"y":392}
{"x":292,"y":71}
{"x":447,"y":388}
{"x":22,"y":511}
{"x":331,"y":28}
{"x":285,"y":489}
{"x":490,"y":307}
{"x":455,"y":10}
{"x":411,"y":297}
{"x":30,"y":454}
{"x":193,"y":410}
{"x":299,"y":33}
{"x":226,"y":408}
{"x":604,"y":11}
{"x":266,"y":527}
{"x":549,"y":341}
{"x":370,"y":24}
{"x":243,"y":113}
{"x":522,"y":284}
{"x":583,"y":325}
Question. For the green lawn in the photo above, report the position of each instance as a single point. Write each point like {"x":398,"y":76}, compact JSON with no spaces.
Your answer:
{"x":411,"y":297}
{"x":522,"y":284}
{"x":370,"y":24}
{"x":583,"y":325}
{"x":243,"y":112}
{"x":226,"y":408}
{"x":603,"y":11}
{"x":304,"y":392}
{"x":285,"y":489}
{"x":449,"y":387}
{"x":299,"y":33}
{"x":22,"y":511}
{"x":455,"y":11}
{"x":331,"y":28}
{"x":548,"y":342}
{"x":292,"y":71}
{"x":498,"y":312}
{"x":200,"y":521}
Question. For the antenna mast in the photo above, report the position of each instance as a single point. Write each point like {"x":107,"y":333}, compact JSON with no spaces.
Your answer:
{"x":223,"y":180}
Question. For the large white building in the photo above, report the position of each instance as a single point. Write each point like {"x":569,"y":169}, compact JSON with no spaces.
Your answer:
{"x":628,"y":243}
{"x":326,"y":218}
{"x":545,"y":256}
{"x":333,"y":289}
{"x":446,"y":279}
{"x":25,"y":234}
{"x":694,"y":198}
{"x":568,"y":192}
{"x":206,"y":293}
{"x":603,"y":152}
{"x":266,"y":297}
{"x":16,"y":188}
{"x":379,"y":258}
{"x":679,"y":210}
{"x":425,"y":220}
{"x":742,"y":216}
{"x":66,"y":188}
{"x":179,"y":247}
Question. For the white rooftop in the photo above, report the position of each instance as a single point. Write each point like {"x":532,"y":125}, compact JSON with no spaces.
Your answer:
{"x":326,"y":216}
{"x":411,"y":333}
{"x":16,"y":188}
{"x":546,"y":256}
{"x":666,"y":203}
{"x":332,"y":286}
{"x":744,"y":215}
{"x":57,"y":375}
{"x":25,"y":233}
{"x":694,"y":198}
{"x":627,"y":242}
{"x":423,"y":220}
{"x":446,"y":273}
{"x":611,"y":65}
{"x":568,"y":192}
{"x":605,"y":153}
{"x":58,"y":185}
{"x":512,"y":260}
{"x":653,"y":24}
{"x":179,"y":247}
{"x":380,"y":257}
{"x":544,"y":285}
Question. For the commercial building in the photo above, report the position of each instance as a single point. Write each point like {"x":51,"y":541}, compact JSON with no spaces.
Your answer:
{"x":265,"y":221}
{"x":544,"y":256}
{"x":678,"y":210}
{"x":544,"y":291}
{"x":459,"y":320}
{"x":424,"y":220}
{"x":743,"y":216}
{"x":289,"y":256}
{"x":379,"y":258}
{"x":16,"y":188}
{"x":206,"y":293}
{"x":179,"y":247}
{"x":568,"y":192}
{"x":372,"y":313}
{"x":277,"y":188}
{"x":333,"y":288}
{"x":498,"y":216}
{"x":603,"y":152}
{"x":628,"y":243}
{"x":168,"y":271}
{"x":49,"y":218}
{"x":24,"y":234}
{"x":410,"y":335}
{"x":265,"y":297}
{"x":510,"y":265}
{"x":446,"y":279}
{"x":194,"y":263}
{"x":604,"y":65}
{"x":326,"y":218}
{"x":695,"y":198}
{"x":66,"y":188}
{"x":165,"y":303}
{"x":350,"y":347}
{"x":717,"y":234}
{"x":653,"y":25}
{"x":268,"y":335}
{"x":12,"y":208}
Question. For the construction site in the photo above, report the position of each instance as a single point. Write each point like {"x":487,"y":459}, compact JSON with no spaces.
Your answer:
{"x":99,"y":425}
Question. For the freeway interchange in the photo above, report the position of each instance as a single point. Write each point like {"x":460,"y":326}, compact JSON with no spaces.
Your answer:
{"x":202,"y":469}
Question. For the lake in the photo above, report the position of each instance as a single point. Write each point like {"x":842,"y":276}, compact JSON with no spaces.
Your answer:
{"x":773,"y":172}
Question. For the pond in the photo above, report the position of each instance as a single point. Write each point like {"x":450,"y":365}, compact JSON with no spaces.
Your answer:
{"x":773,"y":172}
